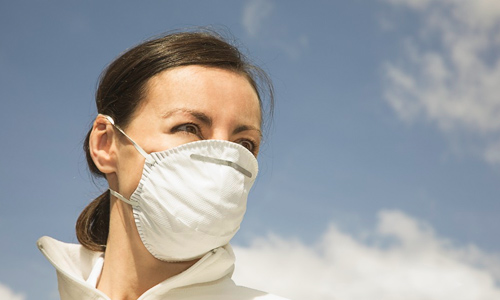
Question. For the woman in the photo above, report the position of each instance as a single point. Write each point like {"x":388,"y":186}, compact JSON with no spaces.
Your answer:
{"x":176,"y":137}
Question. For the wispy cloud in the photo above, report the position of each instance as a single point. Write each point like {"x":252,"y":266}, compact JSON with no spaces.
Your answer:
{"x":7,"y":294}
{"x":257,"y":15}
{"x":449,"y":72}
{"x":402,"y":258}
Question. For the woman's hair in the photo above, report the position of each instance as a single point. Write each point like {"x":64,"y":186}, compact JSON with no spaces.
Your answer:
{"x":122,"y":87}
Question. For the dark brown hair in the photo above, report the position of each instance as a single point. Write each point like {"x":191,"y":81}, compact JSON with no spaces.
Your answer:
{"x":122,"y":88}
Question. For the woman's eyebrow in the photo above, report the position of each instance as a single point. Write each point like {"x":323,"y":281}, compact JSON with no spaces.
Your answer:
{"x":198,"y":115}
{"x":242,"y":128}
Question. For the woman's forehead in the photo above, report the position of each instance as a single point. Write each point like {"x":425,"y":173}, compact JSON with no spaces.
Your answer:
{"x":210,"y":90}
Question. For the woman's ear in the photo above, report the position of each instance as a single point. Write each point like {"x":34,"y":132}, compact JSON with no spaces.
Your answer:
{"x":102,"y":146}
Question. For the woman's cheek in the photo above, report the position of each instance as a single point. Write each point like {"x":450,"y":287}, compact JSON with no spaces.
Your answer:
{"x":171,"y":141}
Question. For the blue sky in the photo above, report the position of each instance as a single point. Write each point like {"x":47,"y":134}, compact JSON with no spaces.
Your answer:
{"x":383,"y":158}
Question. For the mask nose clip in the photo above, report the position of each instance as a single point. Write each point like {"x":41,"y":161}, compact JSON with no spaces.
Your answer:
{"x":223,"y":162}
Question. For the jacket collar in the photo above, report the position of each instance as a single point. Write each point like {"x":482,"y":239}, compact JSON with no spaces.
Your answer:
{"x":74,"y":263}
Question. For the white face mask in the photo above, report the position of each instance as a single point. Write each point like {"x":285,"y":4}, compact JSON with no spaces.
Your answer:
{"x":191,"y":198}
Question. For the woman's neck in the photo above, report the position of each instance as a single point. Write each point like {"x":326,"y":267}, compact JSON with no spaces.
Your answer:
{"x":129,"y":269}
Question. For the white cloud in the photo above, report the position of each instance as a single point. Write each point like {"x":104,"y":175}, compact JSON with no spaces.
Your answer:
{"x":450,"y":71}
{"x":254,"y":14}
{"x":7,"y":294}
{"x":257,"y":14}
{"x":401,"y":259}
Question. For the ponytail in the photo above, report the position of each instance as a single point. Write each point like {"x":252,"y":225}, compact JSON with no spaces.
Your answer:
{"x":92,"y":226}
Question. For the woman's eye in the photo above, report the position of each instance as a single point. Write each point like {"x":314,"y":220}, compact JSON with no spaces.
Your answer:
{"x":247,"y":144}
{"x":188,"y":128}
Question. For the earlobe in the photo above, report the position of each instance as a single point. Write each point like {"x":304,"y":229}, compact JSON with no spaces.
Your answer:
{"x":101,"y":145}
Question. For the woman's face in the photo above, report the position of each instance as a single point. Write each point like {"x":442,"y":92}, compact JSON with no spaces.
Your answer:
{"x":187,"y":104}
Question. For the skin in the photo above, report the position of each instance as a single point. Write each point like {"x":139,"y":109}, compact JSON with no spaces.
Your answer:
{"x":181,"y":105}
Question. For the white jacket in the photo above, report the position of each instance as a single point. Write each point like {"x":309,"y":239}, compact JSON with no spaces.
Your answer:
{"x":208,"y":279}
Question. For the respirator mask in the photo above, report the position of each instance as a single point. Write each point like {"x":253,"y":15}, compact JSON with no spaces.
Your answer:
{"x":191,"y":198}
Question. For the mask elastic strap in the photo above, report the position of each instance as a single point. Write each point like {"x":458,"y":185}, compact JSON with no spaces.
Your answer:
{"x":119,"y":196}
{"x":148,"y":158}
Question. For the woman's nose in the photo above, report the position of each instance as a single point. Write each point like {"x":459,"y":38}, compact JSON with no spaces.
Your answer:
{"x":220,"y":135}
